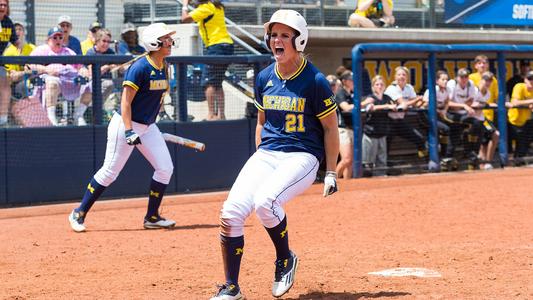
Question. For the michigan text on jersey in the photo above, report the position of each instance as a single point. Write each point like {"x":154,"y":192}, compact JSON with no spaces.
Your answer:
{"x":160,"y":84}
{"x":285,"y":103}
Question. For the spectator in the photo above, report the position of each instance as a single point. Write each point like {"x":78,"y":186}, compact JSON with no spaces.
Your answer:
{"x":8,"y":35}
{"x":489,"y":134}
{"x":58,"y":78}
{"x":69,"y":41}
{"x":520,"y":115}
{"x":340,"y":69}
{"x":101,"y":47}
{"x":209,"y":14}
{"x":344,"y":98}
{"x":88,"y":43}
{"x":372,"y":13}
{"x":16,"y":72}
{"x":481,"y":64}
{"x":462,"y":114}
{"x":443,"y":98}
{"x":129,"y":44}
{"x":404,"y":96}
{"x":518,"y":77}
{"x":376,"y":127}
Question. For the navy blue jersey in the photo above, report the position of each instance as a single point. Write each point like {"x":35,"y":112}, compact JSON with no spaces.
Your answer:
{"x":7,"y":33}
{"x":293,"y":108}
{"x":151,"y":84}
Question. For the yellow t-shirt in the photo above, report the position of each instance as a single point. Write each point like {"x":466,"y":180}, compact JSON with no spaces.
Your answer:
{"x":476,"y":78}
{"x":519,"y":116}
{"x":211,"y":24}
{"x":12,"y":50}
{"x":86,"y":45}
{"x":372,"y":11}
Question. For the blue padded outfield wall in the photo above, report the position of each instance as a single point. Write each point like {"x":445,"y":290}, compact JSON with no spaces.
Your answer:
{"x":3,"y":169}
{"x":40,"y":165}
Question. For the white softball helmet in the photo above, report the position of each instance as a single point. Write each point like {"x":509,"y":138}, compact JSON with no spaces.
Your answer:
{"x":151,"y":34}
{"x":294,"y":20}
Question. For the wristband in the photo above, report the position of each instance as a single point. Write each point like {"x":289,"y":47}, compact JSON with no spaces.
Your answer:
{"x":331,"y":173}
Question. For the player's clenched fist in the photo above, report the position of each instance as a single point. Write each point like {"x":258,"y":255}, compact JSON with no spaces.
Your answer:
{"x":330,"y":183}
{"x":132,"y":138}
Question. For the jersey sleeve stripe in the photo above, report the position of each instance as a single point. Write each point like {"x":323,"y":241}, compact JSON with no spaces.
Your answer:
{"x":327,"y":111}
{"x":259,"y":107}
{"x":131,"y":84}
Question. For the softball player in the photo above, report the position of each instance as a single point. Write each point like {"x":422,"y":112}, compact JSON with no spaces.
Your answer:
{"x":145,"y":84}
{"x":296,"y":129}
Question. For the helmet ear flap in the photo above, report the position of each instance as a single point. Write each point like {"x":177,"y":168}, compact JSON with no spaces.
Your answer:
{"x":267,"y":40}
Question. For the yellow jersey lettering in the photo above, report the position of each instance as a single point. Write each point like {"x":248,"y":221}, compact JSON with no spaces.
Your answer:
{"x":160,"y":84}
{"x":301,"y":105}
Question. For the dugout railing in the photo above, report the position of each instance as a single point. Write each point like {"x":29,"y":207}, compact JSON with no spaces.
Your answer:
{"x":430,"y":52}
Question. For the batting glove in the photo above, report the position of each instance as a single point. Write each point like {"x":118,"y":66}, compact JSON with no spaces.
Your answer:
{"x":132,"y":138}
{"x":330,"y":183}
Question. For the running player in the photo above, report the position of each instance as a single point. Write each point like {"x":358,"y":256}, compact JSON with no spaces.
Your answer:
{"x":145,"y":85}
{"x":296,"y":129}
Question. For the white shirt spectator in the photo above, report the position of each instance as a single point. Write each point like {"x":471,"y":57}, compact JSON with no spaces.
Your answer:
{"x":395,"y":92}
{"x":481,"y":100}
{"x":442,"y":97}
{"x":462,"y":95}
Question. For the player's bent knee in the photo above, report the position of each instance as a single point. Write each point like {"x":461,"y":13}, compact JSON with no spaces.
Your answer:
{"x":269,"y":212}
{"x":232,"y":218}
{"x":163,"y":175}
{"x":106,"y":177}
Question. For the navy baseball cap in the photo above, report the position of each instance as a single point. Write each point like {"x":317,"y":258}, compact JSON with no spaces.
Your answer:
{"x":54,"y":30}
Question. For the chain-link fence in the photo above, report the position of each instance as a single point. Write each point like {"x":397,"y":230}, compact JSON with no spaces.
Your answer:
{"x":60,"y":91}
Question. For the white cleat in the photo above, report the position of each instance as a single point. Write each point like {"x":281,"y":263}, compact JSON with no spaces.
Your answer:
{"x":284,"y":275}
{"x":76,"y":221}
{"x":157,"y":222}
{"x":228,"y":292}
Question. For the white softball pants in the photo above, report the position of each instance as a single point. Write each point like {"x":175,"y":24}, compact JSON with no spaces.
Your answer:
{"x":268,"y":180}
{"x":152,"y":147}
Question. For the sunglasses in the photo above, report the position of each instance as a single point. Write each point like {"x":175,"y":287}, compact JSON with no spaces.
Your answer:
{"x":57,"y":37}
{"x":530,"y":78}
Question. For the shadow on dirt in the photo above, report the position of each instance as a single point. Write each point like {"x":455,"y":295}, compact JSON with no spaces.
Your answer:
{"x":184,"y":227}
{"x":349,"y":296}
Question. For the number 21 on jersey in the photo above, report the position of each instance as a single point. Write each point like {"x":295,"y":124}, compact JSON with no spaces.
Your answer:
{"x":294,"y":123}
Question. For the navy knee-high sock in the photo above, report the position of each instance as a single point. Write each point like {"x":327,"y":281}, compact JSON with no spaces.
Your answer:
{"x":157,"y":189}
{"x":232,"y":251}
{"x":93,"y":192}
{"x":280,"y":237}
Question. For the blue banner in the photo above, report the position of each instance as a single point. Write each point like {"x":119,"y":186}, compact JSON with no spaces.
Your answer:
{"x":489,"y":12}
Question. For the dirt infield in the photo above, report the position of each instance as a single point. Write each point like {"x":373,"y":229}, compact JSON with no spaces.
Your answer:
{"x":474,"y":229}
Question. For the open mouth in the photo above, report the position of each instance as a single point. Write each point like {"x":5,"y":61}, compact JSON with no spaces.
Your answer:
{"x":279,"y":51}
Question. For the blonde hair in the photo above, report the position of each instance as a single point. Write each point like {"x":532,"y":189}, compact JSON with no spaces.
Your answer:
{"x":101,"y":34}
{"x":376,"y":79}
{"x":480,"y":58}
{"x":402,"y":68}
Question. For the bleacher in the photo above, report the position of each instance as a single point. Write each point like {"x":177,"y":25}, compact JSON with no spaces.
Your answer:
{"x":408,"y":13}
